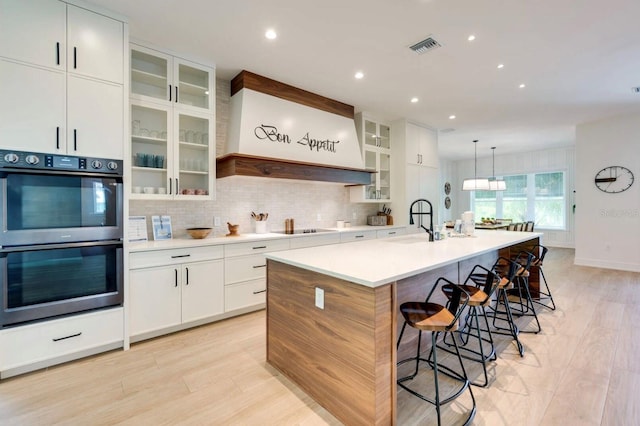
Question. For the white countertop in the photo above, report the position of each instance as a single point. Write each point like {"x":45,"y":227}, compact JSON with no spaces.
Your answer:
{"x":187,"y":241}
{"x":376,"y":262}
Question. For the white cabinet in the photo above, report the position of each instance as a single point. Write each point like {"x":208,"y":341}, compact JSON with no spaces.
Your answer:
{"x":416,"y":171}
{"x":173,"y":127}
{"x":159,"y":77}
{"x":375,"y":141}
{"x":34,"y":32}
{"x":45,"y":109}
{"x":388,"y":233}
{"x":189,"y":287}
{"x":245,"y":273}
{"x":39,"y":345}
{"x":348,"y":237}
{"x":421,"y":145}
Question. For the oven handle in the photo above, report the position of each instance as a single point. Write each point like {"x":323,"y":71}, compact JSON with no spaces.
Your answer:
{"x":7,"y":249}
{"x":6,"y":170}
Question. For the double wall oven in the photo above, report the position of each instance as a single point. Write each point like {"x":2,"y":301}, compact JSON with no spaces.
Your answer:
{"x":61,"y":232}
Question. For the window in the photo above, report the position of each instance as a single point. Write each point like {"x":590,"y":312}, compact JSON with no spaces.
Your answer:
{"x":537,"y":196}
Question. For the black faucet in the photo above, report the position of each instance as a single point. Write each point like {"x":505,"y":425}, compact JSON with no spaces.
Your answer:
{"x":430,"y":213}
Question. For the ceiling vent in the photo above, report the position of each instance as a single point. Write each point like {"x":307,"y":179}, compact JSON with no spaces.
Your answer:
{"x":447,"y":130}
{"x":636,"y":89}
{"x":425,"y":45}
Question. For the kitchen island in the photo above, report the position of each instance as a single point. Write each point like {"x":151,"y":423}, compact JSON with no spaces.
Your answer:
{"x":332,"y":312}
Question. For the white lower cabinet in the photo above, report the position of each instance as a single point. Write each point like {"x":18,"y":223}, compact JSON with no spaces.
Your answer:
{"x":245,"y":273}
{"x":29,"y":347}
{"x":162,"y":297}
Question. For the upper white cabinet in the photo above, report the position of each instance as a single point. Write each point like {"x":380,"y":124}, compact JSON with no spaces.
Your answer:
{"x":34,"y":31}
{"x":63,"y":71}
{"x":55,"y":35}
{"x":159,"y":77}
{"x":421,"y":145}
{"x":172,"y":128}
{"x":375,"y":141}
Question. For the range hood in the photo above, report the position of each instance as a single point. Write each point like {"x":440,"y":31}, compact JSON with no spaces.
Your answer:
{"x":280,"y":131}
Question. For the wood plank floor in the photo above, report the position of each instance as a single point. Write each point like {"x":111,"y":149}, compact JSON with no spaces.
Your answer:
{"x":581,"y":370}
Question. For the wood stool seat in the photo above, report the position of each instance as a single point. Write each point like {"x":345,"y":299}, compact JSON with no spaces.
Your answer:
{"x":477,"y":297}
{"x":428,"y":316}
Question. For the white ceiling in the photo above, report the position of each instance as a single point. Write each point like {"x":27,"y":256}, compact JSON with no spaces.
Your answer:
{"x":579,"y":59}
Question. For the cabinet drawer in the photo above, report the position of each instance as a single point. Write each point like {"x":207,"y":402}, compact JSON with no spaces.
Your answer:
{"x":347,"y":237}
{"x":263,"y":246}
{"x":386,"y":233}
{"x":243,"y":268}
{"x":245,"y":294}
{"x":146,"y":259}
{"x":316,"y":240}
{"x":37,"y":342}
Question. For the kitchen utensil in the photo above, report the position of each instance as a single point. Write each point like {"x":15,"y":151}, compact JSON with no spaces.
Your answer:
{"x":199,"y":233}
{"x":233,"y":230}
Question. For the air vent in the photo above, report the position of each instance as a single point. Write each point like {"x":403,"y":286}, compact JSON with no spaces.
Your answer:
{"x":425,"y":45}
{"x":636,"y":89}
{"x":447,"y":130}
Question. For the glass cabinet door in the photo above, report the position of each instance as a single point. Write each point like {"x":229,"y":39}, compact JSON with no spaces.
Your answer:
{"x":194,"y":85}
{"x":150,"y":131}
{"x":194,"y":157}
{"x":150,"y":74}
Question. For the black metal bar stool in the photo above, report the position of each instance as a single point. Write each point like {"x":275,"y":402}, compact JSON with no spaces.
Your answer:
{"x":480,"y":293}
{"x":433,"y":317}
{"x":540,"y":252}
{"x":520,"y":294}
{"x":506,"y":269}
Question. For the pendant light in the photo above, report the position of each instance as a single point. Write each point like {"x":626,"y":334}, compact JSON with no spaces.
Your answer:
{"x":496,"y":184}
{"x":475,"y":184}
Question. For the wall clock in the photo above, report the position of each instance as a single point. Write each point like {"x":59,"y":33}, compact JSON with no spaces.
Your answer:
{"x":447,"y":188}
{"x":447,"y":203}
{"x":614,"y":179}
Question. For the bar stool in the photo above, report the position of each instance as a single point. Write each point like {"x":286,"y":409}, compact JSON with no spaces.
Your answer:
{"x":433,"y":317}
{"x":506,"y":270}
{"x":480,"y":294}
{"x":520,"y":293}
{"x":528,"y":226}
{"x":541,"y":252}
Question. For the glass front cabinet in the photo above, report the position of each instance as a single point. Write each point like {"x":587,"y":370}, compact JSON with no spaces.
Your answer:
{"x":375,"y":140}
{"x":172,"y":127}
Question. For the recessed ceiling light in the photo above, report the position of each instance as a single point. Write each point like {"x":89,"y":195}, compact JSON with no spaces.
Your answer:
{"x":471,"y":37}
{"x":414,"y":100}
{"x":522,"y":86}
{"x":451,"y":117}
{"x":500,"y":66}
{"x":270,"y":34}
{"x":359,"y":75}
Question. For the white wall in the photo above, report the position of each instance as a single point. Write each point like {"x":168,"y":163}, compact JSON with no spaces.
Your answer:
{"x":608,"y":225}
{"x":549,"y":160}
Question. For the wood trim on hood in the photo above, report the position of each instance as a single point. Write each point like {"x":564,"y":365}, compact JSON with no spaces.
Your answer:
{"x":249,"y":80}
{"x":248,"y":165}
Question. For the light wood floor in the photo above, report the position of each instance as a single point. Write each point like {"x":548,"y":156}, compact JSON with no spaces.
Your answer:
{"x":581,"y":370}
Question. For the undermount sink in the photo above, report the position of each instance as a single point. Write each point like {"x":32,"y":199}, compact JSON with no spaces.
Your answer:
{"x":304,"y":231}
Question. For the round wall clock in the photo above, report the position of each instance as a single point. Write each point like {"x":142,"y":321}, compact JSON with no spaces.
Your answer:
{"x":614,"y":179}
{"x":447,"y":188}
{"x":447,"y":203}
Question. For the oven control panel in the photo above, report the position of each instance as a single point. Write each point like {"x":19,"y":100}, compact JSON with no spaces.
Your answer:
{"x":39,"y":161}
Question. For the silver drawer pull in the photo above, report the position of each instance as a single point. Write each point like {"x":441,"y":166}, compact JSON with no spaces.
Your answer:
{"x":66,"y":337}
{"x":392,"y":233}
{"x":261,"y":291}
{"x":359,"y":236}
{"x":182,"y":255}
{"x":259,"y":266}
{"x":260,"y":247}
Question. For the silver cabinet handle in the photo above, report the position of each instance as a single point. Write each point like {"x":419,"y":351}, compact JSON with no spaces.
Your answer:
{"x":259,"y":266}
{"x":261,"y":291}
{"x":176,"y":279}
{"x":57,"y":339}
{"x":359,"y":236}
{"x":180,"y":255}
{"x":259,"y":247}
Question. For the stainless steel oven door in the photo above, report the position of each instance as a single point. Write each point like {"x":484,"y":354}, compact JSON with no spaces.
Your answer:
{"x":38,"y":207}
{"x":39,"y":282}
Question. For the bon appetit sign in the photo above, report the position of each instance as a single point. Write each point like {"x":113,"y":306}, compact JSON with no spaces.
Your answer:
{"x":266,"y":132}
